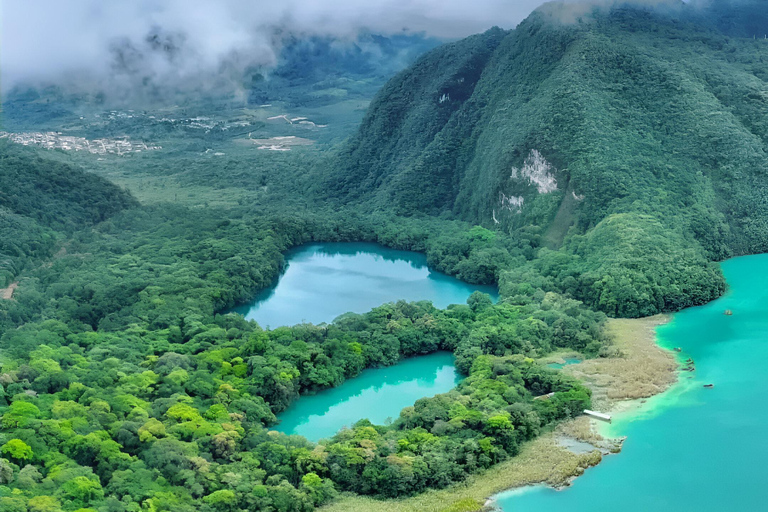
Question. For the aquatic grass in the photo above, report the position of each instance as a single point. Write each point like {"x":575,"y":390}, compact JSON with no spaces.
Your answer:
{"x":540,"y":461}
{"x":640,"y":370}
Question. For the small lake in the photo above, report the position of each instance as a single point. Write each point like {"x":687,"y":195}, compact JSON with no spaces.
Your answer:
{"x":323,"y":281}
{"x":690,"y":448}
{"x":377,"y":395}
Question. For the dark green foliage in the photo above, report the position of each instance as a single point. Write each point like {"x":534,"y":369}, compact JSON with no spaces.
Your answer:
{"x":627,"y":266}
{"x":654,"y":115}
{"x":21,"y":240}
{"x":57,"y":196}
{"x":406,"y":116}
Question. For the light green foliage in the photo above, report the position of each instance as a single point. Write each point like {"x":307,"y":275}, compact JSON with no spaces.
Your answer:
{"x":18,"y":414}
{"x":67,"y":409}
{"x":125,"y":386}
{"x":221,"y":500}
{"x":44,"y":504}
{"x":16,"y":449}
{"x":183,"y":412}
{"x":81,"y":490}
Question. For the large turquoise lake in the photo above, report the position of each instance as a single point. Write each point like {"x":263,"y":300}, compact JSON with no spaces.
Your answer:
{"x":691,"y":448}
{"x":323,"y":281}
{"x":377,"y":395}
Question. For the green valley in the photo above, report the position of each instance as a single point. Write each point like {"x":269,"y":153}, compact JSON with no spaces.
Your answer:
{"x":594,"y":162}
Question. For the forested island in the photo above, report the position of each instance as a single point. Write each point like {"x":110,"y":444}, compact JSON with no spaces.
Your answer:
{"x":592,"y":167}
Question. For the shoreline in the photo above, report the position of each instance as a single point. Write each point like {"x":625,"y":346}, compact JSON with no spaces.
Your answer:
{"x":620,"y":385}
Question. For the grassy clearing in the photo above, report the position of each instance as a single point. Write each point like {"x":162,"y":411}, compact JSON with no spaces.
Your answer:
{"x":151,"y":190}
{"x":640,"y":369}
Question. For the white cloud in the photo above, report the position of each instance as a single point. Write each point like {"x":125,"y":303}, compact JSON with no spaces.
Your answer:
{"x":47,"y":39}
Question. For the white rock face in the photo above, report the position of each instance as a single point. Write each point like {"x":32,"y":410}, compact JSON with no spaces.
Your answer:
{"x":445,"y":97}
{"x":535,"y":171}
{"x":511,"y":203}
{"x":538,"y":172}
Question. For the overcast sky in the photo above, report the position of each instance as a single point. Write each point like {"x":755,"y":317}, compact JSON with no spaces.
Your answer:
{"x":41,"y":39}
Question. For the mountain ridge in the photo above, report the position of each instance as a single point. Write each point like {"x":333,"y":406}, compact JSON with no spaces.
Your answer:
{"x":654,"y":114}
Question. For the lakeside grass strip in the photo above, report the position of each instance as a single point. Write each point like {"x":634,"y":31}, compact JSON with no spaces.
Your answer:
{"x":641,"y":369}
{"x":540,"y":461}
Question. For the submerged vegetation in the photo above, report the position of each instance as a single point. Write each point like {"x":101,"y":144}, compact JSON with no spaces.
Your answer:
{"x":543,"y":159}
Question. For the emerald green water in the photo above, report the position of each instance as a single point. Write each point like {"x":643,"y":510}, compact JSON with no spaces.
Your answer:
{"x":691,"y":448}
{"x":568,"y":360}
{"x":375,"y":394}
{"x":323,"y":281}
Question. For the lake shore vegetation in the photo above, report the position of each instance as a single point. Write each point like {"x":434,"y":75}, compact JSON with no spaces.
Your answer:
{"x":126,"y":387}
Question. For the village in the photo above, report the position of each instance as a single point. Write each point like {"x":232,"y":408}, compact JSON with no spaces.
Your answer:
{"x":56,"y":140}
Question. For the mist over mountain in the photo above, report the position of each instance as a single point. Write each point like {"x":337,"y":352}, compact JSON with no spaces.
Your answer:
{"x":739,"y":18}
{"x":146,"y":50}
{"x":151,"y":51}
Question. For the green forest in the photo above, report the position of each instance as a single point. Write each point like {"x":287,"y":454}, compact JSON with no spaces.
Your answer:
{"x":591,"y":169}
{"x":123,"y":388}
{"x":649,"y":122}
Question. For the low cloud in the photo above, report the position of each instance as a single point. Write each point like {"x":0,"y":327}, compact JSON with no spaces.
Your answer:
{"x":197,"y":45}
{"x":178,"y":41}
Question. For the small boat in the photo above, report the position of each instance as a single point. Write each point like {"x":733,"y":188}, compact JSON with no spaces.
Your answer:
{"x":677,"y":349}
{"x":728,"y":312}
{"x":709,"y":385}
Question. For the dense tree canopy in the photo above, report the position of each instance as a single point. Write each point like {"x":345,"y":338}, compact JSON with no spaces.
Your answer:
{"x":591,"y":168}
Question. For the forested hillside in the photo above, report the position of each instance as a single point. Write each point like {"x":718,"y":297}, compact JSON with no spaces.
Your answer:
{"x":648,"y":119}
{"x":123,"y":388}
{"x":40,"y":200}
{"x":588,"y":162}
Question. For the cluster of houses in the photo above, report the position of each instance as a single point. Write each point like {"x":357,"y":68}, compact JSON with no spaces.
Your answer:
{"x":55,"y":140}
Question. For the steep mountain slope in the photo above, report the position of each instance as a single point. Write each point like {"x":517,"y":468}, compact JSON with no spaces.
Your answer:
{"x":409,"y":115}
{"x":656,"y":115}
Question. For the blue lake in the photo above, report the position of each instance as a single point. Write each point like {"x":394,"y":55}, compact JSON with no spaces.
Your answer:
{"x":377,"y":395}
{"x":323,"y":281}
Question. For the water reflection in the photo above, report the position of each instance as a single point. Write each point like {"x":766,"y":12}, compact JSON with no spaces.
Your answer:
{"x":375,"y":394}
{"x":323,"y":281}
